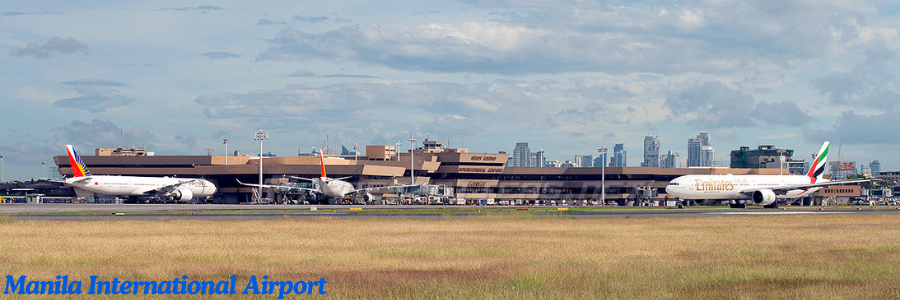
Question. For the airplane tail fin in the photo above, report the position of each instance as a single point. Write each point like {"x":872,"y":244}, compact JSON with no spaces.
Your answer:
{"x":322,"y":162}
{"x":817,"y":168}
{"x":78,"y":167}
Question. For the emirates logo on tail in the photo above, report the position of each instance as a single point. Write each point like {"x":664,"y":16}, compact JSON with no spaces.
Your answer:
{"x":817,"y":168}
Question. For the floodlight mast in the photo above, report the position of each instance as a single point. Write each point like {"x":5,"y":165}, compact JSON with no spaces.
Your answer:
{"x":226,"y":151}
{"x":412,"y":149}
{"x":1,"y":169}
{"x":603,"y":175}
{"x":781,"y":160}
{"x":260,"y":136}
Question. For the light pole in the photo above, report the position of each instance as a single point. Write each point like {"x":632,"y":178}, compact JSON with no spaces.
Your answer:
{"x":603,"y":176}
{"x":1,"y":169}
{"x":412,"y":149}
{"x":226,"y":151}
{"x":43,"y":169}
{"x":398,"y":143}
{"x":781,"y":160}
{"x":260,"y":136}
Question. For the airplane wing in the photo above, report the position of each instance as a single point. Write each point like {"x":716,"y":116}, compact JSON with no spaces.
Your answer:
{"x":781,"y":190}
{"x":170,"y":188}
{"x":384,"y":187}
{"x":80,"y":180}
{"x":283,"y":187}
{"x":300,"y":178}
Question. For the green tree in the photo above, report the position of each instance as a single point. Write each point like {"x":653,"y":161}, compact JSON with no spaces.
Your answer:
{"x":867,"y":185}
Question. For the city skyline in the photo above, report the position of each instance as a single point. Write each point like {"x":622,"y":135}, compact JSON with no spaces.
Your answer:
{"x":567,"y":76}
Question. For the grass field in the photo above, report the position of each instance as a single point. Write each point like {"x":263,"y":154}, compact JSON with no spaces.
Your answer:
{"x":832,"y":256}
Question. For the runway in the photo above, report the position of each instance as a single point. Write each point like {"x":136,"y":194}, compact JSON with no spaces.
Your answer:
{"x":223,"y":212}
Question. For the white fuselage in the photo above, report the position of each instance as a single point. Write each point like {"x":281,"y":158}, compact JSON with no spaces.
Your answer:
{"x":730,"y":187}
{"x":139,"y":186}
{"x":334,"y":188}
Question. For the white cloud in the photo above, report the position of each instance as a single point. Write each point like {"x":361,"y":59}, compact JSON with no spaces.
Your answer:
{"x":54,"y":45}
{"x":489,"y":70}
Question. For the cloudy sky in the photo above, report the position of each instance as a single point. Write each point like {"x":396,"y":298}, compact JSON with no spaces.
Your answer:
{"x":567,"y":76}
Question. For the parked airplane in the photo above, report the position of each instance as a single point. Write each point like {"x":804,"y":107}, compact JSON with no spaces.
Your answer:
{"x":180,"y":189}
{"x":760,"y":189}
{"x":329,"y":189}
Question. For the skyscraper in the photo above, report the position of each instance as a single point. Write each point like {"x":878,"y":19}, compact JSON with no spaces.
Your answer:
{"x":618,"y":158}
{"x":539,"y":159}
{"x":875,"y":166}
{"x":584,"y":160}
{"x":651,"y":152}
{"x":700,"y":151}
{"x":601,"y":160}
{"x":669,"y":160}
{"x":521,"y":155}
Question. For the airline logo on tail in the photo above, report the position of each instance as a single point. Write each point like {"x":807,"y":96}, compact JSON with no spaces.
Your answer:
{"x":322,"y":162}
{"x":78,"y":167}
{"x":817,"y":169}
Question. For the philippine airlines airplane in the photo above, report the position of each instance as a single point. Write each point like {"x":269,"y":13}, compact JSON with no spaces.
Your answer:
{"x":760,"y":189}
{"x":181,"y":189}
{"x":331,"y":189}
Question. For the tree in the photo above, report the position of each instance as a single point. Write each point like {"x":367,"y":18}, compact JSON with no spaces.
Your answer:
{"x":866,"y":185}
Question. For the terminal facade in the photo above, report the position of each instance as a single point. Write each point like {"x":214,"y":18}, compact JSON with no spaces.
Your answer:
{"x":465,"y":176}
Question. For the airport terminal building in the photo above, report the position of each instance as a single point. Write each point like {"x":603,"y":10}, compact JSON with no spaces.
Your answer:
{"x":458,"y":175}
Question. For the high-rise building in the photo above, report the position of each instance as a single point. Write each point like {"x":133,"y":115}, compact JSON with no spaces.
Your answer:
{"x":708,"y":156}
{"x":875,"y":166}
{"x":841,"y":170}
{"x":600,"y":161}
{"x":521,"y":155}
{"x":651,"y":152}
{"x":700,"y":151}
{"x":865,"y":169}
{"x":618,"y":158}
{"x":552,"y":164}
{"x":584,"y":160}
{"x":669,"y":160}
{"x":538,"y":158}
{"x":765,"y":156}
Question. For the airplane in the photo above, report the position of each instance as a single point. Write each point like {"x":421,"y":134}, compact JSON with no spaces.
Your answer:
{"x":179,"y":189}
{"x":762,"y":190}
{"x":330,"y":189}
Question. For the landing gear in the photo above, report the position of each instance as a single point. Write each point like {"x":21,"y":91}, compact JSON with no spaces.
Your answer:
{"x":738,"y":204}
{"x":773,"y":205}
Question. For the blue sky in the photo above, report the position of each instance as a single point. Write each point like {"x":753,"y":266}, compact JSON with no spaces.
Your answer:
{"x":566,"y":76}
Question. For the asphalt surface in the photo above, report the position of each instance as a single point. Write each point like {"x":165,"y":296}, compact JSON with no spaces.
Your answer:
{"x":224,"y":212}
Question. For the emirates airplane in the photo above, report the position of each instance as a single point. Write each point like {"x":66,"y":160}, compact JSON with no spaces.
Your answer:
{"x":329,"y":189}
{"x":180,"y":189}
{"x":759,"y":189}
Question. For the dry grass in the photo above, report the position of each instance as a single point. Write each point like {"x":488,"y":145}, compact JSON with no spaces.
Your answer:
{"x":798,"y":256}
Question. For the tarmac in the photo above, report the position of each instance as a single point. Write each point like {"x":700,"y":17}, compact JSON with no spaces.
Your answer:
{"x":223,"y":212}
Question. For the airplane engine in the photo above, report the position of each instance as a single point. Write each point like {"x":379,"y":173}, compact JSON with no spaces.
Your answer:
{"x":763,"y":197}
{"x":316,"y":198}
{"x":368,"y":197}
{"x":184,"y":195}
